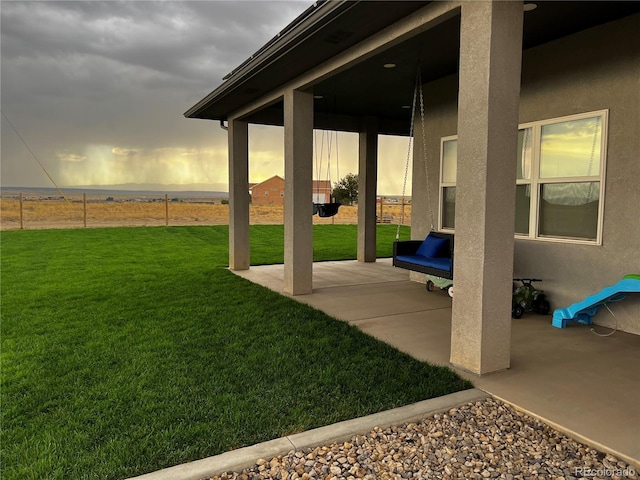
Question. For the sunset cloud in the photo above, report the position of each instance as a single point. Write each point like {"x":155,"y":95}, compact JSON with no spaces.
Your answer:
{"x":125,"y":152}
{"x":71,"y":157}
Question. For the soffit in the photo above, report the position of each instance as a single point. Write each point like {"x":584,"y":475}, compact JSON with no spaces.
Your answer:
{"x":370,"y":89}
{"x":346,"y":24}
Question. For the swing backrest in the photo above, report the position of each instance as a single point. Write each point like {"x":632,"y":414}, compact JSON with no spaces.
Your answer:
{"x":328,"y":209}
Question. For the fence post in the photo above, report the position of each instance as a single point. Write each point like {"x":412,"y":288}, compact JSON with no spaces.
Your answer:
{"x":166,"y":209}
{"x":84,"y":204}
{"x":21,"y":214}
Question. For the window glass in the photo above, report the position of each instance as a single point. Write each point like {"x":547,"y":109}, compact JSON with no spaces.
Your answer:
{"x":448,"y":207}
{"x":571,"y":149}
{"x":560,"y":167}
{"x":569,"y":210}
{"x":524,"y":153}
{"x":449,"y":161}
{"x":523,"y":208}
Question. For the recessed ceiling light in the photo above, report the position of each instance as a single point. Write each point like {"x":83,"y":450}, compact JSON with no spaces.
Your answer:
{"x":406,"y":106}
{"x":318,"y":96}
{"x":389,"y":65}
{"x":527,"y":7}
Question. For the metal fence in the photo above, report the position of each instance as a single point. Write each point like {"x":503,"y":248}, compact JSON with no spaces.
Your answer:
{"x":82,"y":210}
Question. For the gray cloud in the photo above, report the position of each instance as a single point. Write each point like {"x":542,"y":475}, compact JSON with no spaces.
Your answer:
{"x":195,"y":42}
{"x":119,"y":74}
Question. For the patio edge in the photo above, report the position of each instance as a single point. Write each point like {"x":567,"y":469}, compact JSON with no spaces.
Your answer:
{"x":589,"y":442}
{"x":238,"y":460}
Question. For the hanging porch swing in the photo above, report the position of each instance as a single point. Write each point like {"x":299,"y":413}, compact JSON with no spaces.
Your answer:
{"x":325,"y":209}
{"x":434,"y":255}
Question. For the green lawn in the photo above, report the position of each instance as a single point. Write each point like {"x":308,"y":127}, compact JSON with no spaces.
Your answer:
{"x":127,"y":350}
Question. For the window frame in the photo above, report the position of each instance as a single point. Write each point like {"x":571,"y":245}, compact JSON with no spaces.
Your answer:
{"x":444,"y":184}
{"x":536,"y":182}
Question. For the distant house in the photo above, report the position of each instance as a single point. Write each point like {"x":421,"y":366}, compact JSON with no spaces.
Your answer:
{"x":271,"y":191}
{"x":321,"y":191}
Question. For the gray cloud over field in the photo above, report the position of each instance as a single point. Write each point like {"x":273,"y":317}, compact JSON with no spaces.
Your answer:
{"x":98,"y":89}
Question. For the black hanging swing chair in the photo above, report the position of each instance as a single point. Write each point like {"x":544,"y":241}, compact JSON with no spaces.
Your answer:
{"x":326,"y":209}
{"x":330,"y":209}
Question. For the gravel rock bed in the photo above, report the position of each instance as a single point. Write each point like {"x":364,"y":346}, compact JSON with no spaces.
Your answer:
{"x":479,"y":440}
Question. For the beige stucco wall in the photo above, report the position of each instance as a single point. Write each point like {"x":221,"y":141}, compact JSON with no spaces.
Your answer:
{"x":592,"y":70}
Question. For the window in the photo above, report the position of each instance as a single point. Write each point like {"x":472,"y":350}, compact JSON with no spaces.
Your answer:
{"x":448,"y":182}
{"x":559,"y":179}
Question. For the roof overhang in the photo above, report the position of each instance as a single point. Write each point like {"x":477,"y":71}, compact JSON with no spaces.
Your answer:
{"x":329,"y":28}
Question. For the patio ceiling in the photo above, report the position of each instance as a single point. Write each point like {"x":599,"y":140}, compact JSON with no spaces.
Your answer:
{"x":328,"y":28}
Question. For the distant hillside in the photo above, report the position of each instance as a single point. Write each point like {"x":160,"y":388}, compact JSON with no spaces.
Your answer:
{"x":128,"y":190}
{"x":159,"y":187}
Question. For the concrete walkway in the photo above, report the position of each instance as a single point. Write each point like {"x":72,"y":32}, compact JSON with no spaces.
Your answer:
{"x":582,"y":384}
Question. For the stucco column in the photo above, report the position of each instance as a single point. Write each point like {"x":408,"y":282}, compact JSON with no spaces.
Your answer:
{"x":367,"y":186}
{"x":489,"y":93}
{"x":298,"y":196}
{"x":238,"y":195}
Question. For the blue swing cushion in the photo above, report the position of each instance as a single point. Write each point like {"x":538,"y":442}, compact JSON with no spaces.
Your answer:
{"x":433,"y":256}
{"x":433,"y":247}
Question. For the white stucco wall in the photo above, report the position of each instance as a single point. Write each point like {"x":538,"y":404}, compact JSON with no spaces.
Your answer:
{"x":592,"y":70}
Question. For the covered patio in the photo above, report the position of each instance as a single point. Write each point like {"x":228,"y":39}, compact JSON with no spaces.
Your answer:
{"x":582,"y":384}
{"x":485,"y":68}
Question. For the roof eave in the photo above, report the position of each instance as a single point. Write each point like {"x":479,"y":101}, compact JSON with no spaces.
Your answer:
{"x":296,"y":31}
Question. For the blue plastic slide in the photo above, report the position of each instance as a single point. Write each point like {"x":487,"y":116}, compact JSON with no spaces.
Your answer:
{"x":583,"y":312}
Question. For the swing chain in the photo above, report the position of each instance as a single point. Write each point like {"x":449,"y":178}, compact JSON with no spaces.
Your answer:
{"x":424,"y":150}
{"x":406,"y":167}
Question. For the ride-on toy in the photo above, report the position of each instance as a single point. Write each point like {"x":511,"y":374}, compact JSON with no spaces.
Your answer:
{"x":526,"y":298}
{"x":441,"y":283}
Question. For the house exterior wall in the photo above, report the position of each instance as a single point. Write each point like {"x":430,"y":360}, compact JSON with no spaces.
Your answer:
{"x":269,"y":192}
{"x":321,"y":191}
{"x":592,"y":70}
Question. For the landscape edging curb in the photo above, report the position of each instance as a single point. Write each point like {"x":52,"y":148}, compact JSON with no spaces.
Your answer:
{"x":238,"y":460}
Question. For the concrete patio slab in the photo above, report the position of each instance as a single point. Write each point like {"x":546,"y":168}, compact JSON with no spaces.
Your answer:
{"x":583,"y":384}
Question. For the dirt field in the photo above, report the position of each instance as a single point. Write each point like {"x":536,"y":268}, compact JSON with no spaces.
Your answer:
{"x":47,"y":213}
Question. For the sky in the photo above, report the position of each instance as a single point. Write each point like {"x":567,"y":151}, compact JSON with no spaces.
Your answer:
{"x":97,"y":91}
